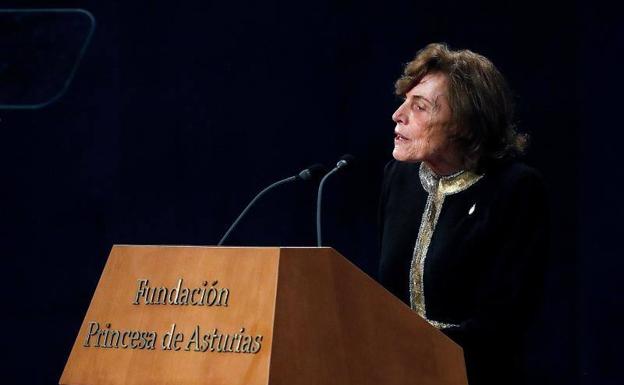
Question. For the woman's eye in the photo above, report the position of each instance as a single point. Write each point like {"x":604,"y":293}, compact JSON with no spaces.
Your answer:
{"x":417,"y":105}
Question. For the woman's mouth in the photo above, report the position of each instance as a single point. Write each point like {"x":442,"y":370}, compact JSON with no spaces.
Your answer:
{"x":399,"y":138}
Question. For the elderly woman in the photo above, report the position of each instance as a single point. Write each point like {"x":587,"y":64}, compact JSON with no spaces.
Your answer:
{"x":464,"y":230}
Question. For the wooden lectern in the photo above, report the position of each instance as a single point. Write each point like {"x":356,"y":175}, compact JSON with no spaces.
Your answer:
{"x":221,"y":315}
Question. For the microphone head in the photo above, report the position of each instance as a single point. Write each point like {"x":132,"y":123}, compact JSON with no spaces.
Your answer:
{"x":345,"y":160}
{"x":313,"y":172}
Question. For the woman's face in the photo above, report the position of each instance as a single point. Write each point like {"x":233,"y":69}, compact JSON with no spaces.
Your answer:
{"x":423,"y":126}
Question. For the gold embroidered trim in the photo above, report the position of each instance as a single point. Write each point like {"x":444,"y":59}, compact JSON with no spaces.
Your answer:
{"x":440,"y":325}
{"x":437,"y":188}
{"x":427,"y":225}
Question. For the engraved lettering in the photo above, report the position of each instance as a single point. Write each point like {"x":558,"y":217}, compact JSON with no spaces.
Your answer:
{"x":257,"y":345}
{"x":193,"y":292}
{"x":93,"y":329}
{"x":108,"y":338}
{"x":113,"y":341}
{"x":203,"y":291}
{"x":173,"y":299}
{"x":184,"y":296}
{"x":211,"y":292}
{"x":239,"y":338}
{"x":213,"y":337}
{"x":171,"y":339}
{"x":222,"y":346}
{"x":179,"y":337}
{"x":140,"y":290}
{"x":194,"y":341}
{"x":180,"y":295}
{"x":246,"y":347}
{"x":123,"y":344}
{"x":160,"y":295}
{"x":134,"y":338}
{"x":166,"y":341}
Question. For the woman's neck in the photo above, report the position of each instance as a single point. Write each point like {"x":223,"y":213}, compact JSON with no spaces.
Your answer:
{"x":444,"y":168}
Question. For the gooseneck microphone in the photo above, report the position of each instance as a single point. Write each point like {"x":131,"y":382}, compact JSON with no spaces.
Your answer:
{"x":307,"y":174}
{"x":344,"y":161}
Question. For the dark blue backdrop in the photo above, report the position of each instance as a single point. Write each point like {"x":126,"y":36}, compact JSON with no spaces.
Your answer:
{"x":182,"y":111}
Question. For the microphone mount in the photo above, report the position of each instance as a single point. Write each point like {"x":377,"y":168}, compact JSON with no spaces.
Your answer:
{"x":307,"y":174}
{"x":344,"y":161}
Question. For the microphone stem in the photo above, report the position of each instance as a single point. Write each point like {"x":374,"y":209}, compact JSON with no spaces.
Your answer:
{"x":319,"y":241}
{"x":242,"y":214}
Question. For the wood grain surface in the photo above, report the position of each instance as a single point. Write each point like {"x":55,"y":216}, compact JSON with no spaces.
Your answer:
{"x":323,"y":321}
{"x":336,"y":325}
{"x":249,"y":273}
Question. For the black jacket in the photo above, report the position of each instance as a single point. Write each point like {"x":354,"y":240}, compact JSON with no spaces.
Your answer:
{"x":483,"y":268}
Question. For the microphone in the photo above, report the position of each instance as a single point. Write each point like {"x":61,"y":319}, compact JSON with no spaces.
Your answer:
{"x":307,"y":174}
{"x":344,"y":161}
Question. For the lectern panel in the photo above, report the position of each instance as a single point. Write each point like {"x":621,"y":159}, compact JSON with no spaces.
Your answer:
{"x":178,"y":315}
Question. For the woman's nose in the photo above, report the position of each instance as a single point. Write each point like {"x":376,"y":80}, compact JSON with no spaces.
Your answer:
{"x":399,"y":115}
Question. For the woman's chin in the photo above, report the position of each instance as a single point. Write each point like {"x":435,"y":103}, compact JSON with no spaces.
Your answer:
{"x":401,"y":156}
